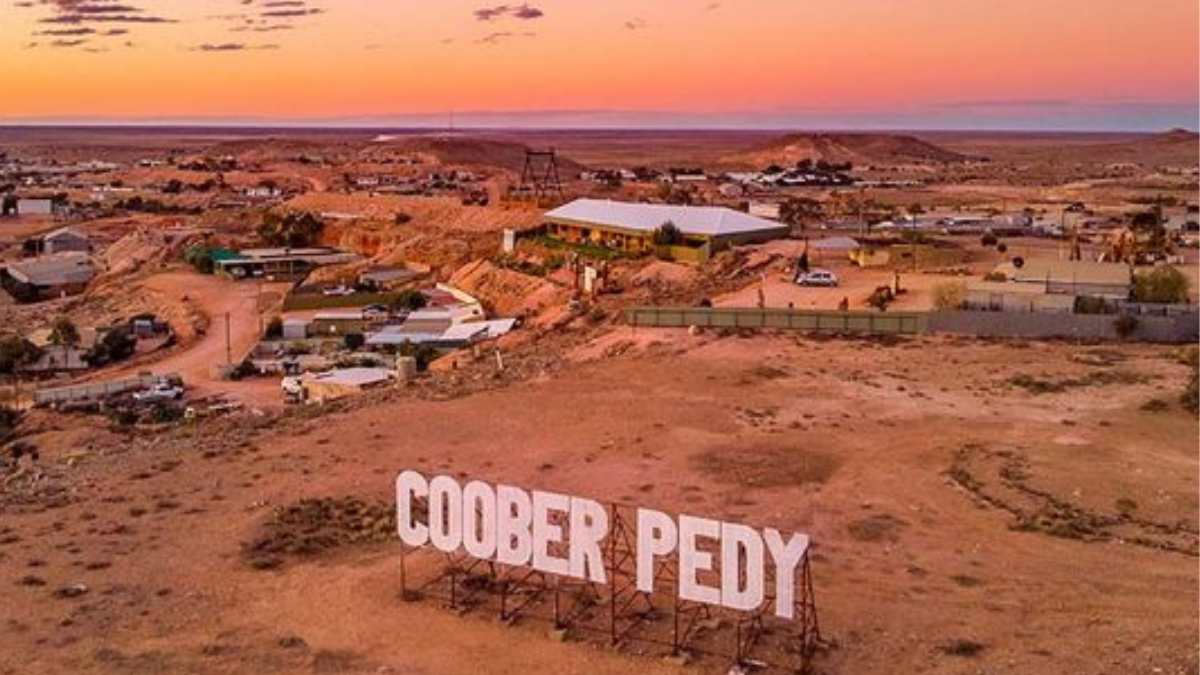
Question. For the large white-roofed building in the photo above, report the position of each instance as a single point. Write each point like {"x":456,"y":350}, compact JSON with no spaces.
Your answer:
{"x":627,"y":226}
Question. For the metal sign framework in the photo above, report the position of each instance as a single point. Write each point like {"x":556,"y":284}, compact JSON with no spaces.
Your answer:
{"x":620,"y":612}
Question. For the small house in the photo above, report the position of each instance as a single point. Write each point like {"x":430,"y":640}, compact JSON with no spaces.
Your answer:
{"x":36,"y":207}
{"x":48,"y":276}
{"x":295,"y":329}
{"x":321,"y":387}
{"x":386,"y":278}
{"x":63,"y":240}
{"x":831,"y":248}
{"x":1085,"y":278}
{"x":1000,"y":296}
{"x":338,"y":323}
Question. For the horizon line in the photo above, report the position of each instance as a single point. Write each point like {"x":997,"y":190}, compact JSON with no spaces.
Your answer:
{"x":266,"y":124}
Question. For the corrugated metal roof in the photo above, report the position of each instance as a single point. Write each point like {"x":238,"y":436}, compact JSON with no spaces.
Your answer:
{"x":64,"y":232}
{"x":353,"y":377}
{"x":709,"y":221}
{"x":55,"y":270}
{"x":837,"y":244}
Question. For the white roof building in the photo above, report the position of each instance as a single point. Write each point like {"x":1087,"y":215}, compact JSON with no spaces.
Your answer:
{"x":703,"y":221}
{"x":352,"y":377}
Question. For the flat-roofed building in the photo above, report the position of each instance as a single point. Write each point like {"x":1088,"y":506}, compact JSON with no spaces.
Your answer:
{"x":1110,"y":281}
{"x":329,"y":386}
{"x":1004,"y":296}
{"x":280,"y":264}
{"x":36,"y":207}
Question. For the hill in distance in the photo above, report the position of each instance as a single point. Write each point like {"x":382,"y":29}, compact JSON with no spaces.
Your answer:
{"x":859,"y":149}
{"x":1174,"y":148}
{"x":464,"y":150}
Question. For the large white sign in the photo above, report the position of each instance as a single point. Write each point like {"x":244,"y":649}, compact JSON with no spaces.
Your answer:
{"x":720,"y":563}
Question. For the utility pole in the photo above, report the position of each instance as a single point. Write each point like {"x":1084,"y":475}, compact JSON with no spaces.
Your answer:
{"x":228,"y":341}
{"x":258,"y":305}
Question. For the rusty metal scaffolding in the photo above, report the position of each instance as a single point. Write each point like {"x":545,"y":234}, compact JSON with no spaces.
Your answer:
{"x":540,"y":179}
{"x":621,"y":613}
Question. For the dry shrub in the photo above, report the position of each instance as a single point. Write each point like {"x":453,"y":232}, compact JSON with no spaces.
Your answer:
{"x":1191,"y":394}
{"x":874,"y":528}
{"x":766,"y":465}
{"x":313,"y":526}
{"x":949,"y":295}
{"x":962,"y":647}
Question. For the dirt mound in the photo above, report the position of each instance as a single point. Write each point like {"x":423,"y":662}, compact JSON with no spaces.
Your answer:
{"x":445,"y":213}
{"x":665,"y":273}
{"x":509,"y":293}
{"x":451,"y":149}
{"x":857,"y":149}
{"x":143,"y":247}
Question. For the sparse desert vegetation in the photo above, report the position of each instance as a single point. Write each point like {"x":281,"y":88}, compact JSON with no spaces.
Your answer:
{"x":953,"y":483}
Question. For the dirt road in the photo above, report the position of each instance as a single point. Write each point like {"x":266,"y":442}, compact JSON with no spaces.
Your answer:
{"x":245,"y":305}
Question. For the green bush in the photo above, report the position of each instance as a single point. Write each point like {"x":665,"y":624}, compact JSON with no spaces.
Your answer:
{"x":354,"y":341}
{"x":200,"y":258}
{"x":1161,"y":285}
{"x":165,"y":413}
{"x":668,"y":234}
{"x":409,"y":300}
{"x":424,"y":354}
{"x":116,"y":345}
{"x":16,"y":353}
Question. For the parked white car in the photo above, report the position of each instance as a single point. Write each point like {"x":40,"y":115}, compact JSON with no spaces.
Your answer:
{"x":817,"y":278}
{"x":337,"y":291}
{"x":163,"y":391}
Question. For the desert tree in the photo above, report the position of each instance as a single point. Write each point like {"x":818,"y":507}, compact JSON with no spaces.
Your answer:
{"x":64,"y":335}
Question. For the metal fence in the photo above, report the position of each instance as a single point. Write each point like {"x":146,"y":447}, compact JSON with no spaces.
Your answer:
{"x":92,"y":391}
{"x":1180,"y":327}
{"x":815,"y":321}
{"x":1173,"y":329}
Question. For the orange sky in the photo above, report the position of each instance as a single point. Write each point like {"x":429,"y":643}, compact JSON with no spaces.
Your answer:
{"x":913,"y":62}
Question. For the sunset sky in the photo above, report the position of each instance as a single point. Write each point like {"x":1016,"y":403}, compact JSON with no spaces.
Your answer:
{"x":1086,"y":64}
